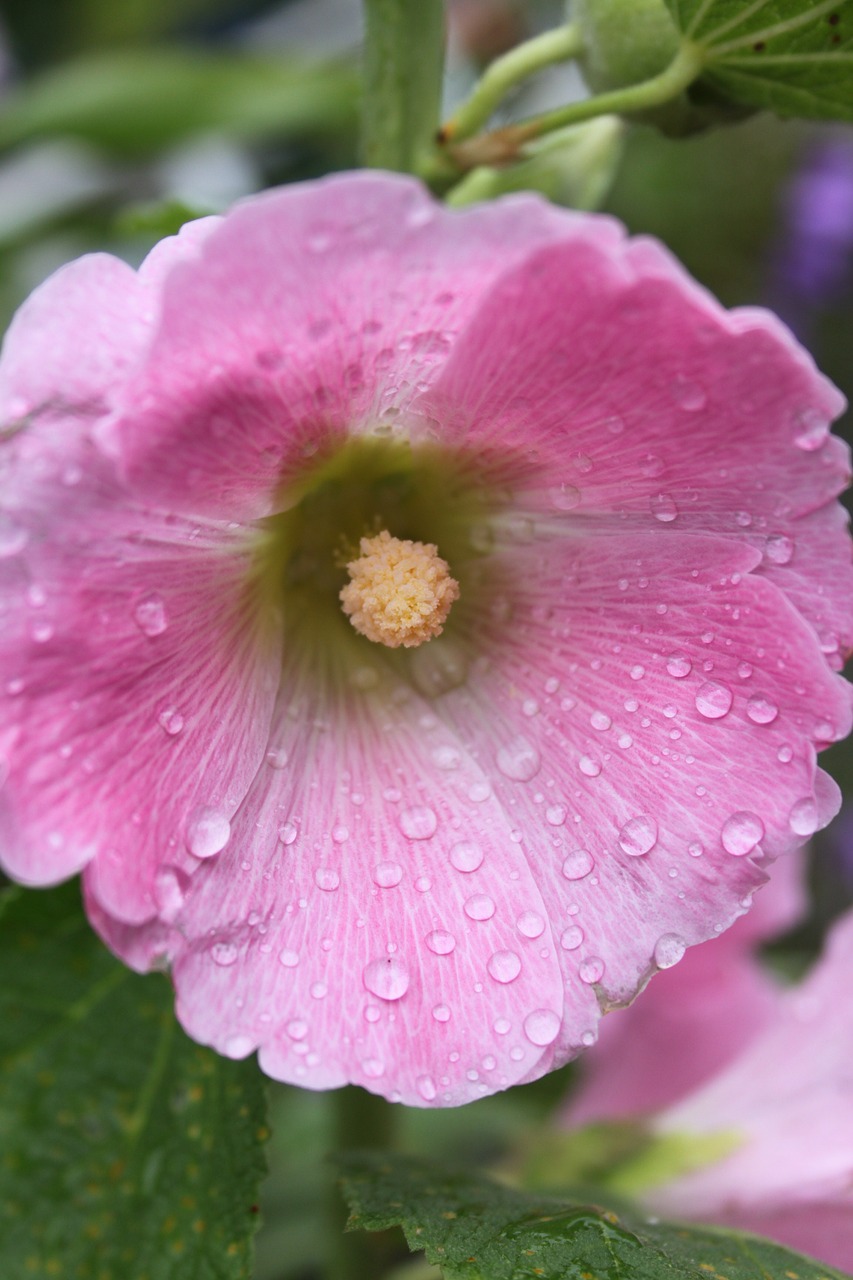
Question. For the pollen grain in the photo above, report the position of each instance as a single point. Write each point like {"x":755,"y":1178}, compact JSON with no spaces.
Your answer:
{"x":400,"y":592}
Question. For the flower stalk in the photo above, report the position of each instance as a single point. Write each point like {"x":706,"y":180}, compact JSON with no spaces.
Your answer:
{"x":403,"y":69}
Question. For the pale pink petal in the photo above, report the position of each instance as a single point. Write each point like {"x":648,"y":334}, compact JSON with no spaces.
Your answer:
{"x":625,"y":390}
{"x":374,"y":919}
{"x":694,"y":1018}
{"x":136,"y":693}
{"x":345,"y":297}
{"x":823,"y":1230}
{"x":789,"y":1096}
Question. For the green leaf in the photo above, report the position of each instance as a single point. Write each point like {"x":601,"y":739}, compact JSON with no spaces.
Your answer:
{"x":794,"y":57}
{"x":128,"y":1152}
{"x":475,"y":1229}
{"x":139,"y":101}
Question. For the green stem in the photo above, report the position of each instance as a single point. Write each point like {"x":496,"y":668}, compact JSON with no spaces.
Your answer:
{"x":506,"y":72}
{"x":359,"y":1120}
{"x":504,"y":145}
{"x":403,"y":67}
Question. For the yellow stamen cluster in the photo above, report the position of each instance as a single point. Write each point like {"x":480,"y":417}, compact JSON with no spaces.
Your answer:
{"x":400,"y":592}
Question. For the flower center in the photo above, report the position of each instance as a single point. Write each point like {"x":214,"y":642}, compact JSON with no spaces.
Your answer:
{"x":400,"y":592}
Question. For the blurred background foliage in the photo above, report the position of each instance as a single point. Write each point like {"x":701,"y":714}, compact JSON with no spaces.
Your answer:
{"x":118,"y":122}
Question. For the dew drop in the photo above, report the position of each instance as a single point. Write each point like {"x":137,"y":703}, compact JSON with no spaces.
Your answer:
{"x":761,"y":710}
{"x":679,"y":665}
{"x":804,"y":817}
{"x":13,"y":537}
{"x":288,"y":832}
{"x":276,"y":757}
{"x":446,"y":758}
{"x":779,"y":549}
{"x":224,"y":953}
{"x":504,"y":966}
{"x":479,"y":907}
{"x":669,"y":949}
{"x":688,"y":394}
{"x":387,"y":874}
{"x":571,"y":938}
{"x":663,"y":508}
{"x":542,"y":1027}
{"x":373,"y":1068}
{"x":171,"y":721}
{"x":578,"y":864}
{"x":387,"y":978}
{"x":418,"y":823}
{"x":639,"y":835}
{"x":297,"y":1028}
{"x":600,"y":721}
{"x":813,"y":430}
{"x":502,"y":1026}
{"x":466,"y":856}
{"x":208,"y":831}
{"x":426,"y":1088}
{"x":290,"y":959}
{"x":441,"y":1013}
{"x":440,"y":942}
{"x":589,"y":768}
{"x":150,"y":616}
{"x":713,"y":700}
{"x":238,"y":1046}
{"x":565,"y":497}
{"x":519,"y":760}
{"x":327,"y":879}
{"x":555,"y":815}
{"x":741,"y":833}
{"x":530,"y":924}
{"x":591,"y":969}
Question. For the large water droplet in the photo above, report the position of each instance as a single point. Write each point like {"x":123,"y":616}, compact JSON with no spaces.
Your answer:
{"x":779,"y":549}
{"x":208,"y":831}
{"x":327,"y":879}
{"x":591,"y":969}
{"x":663,"y":508}
{"x":504,"y":966}
{"x":387,"y":978}
{"x":519,"y":760}
{"x":542,"y":1027}
{"x":290,"y":959}
{"x":440,"y":942}
{"x":479,"y":907}
{"x":669,"y":949}
{"x":679,"y":665}
{"x":804,"y":817}
{"x":713,"y":699}
{"x":761,"y":710}
{"x":418,"y":823}
{"x":577,"y":864}
{"x":530,"y":924}
{"x":555,"y":815}
{"x":564,"y":497}
{"x":589,"y":768}
{"x":288,"y":832}
{"x":441,"y":1013}
{"x":150,"y":615}
{"x":639,"y":835}
{"x":571,"y":938}
{"x":741,"y":833}
{"x":387,"y":874}
{"x":224,"y":953}
{"x":465,"y":856}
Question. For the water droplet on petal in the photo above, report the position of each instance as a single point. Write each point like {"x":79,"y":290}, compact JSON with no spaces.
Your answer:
{"x":441,"y":1013}
{"x":373,"y":1068}
{"x":150,"y":615}
{"x":277,"y":757}
{"x":804,"y":817}
{"x":440,"y":942}
{"x":713,"y":700}
{"x":600,"y":721}
{"x":387,"y":874}
{"x":290,"y":959}
{"x":169,"y":892}
{"x":297,"y":1028}
{"x":466,"y":856}
{"x":288,"y":832}
{"x":387,"y":978}
{"x":479,"y":907}
{"x":238,"y":1046}
{"x":639,"y":835}
{"x":761,"y":710}
{"x":542,"y":1027}
{"x":589,"y":768}
{"x":426,"y":1088}
{"x":813,"y":430}
{"x":224,"y":953}
{"x":779,"y":549}
{"x":555,"y":815}
{"x":326,"y":879}
{"x":663,"y":508}
{"x":688,"y":394}
{"x":741,"y":833}
{"x":565,"y":497}
{"x":571,"y":938}
{"x":519,"y":760}
{"x":679,"y":665}
{"x":530,"y":924}
{"x":669,"y":949}
{"x":578,"y":864}
{"x":418,"y":823}
{"x":208,"y":831}
{"x":171,"y":720}
{"x":504,"y":966}
{"x":591,"y":969}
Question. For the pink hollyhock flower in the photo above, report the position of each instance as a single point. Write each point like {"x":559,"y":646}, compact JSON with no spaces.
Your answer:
{"x":606,"y":622}
{"x":783,"y":1094}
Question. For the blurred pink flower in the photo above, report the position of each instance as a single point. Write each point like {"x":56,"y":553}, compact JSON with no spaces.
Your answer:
{"x":423,"y":869}
{"x":782,"y":1087}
